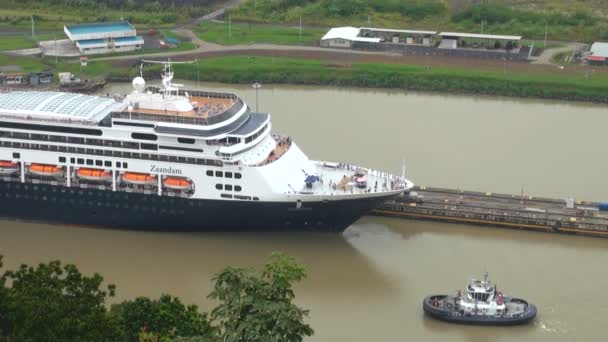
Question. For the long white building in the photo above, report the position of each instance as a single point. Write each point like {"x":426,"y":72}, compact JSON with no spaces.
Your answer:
{"x":104,"y":37}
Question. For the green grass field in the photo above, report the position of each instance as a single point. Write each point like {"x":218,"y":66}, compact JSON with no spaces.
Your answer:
{"x":24,"y":41}
{"x":219,"y":33}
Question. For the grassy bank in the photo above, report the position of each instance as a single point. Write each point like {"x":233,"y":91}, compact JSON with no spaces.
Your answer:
{"x":94,"y":69}
{"x":219,"y":32}
{"x":244,"y":69}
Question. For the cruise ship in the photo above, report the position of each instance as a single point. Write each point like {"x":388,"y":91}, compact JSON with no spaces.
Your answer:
{"x":166,"y":158}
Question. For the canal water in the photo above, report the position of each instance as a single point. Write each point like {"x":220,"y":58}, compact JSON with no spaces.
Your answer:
{"x":368,"y":283}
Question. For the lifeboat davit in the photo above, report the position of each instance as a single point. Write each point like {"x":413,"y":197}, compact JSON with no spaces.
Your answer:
{"x":46,"y":170}
{"x":96,"y":175}
{"x":177,"y":183}
{"x":8,"y":167}
{"x":138,"y":178}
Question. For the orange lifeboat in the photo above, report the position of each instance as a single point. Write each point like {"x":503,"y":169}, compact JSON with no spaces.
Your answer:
{"x":93,"y":174}
{"x":8,"y":167}
{"x":138,"y":178}
{"x":177,"y":183}
{"x":46,"y":170}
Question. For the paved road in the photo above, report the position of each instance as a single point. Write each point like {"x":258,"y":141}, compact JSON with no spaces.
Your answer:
{"x":547,"y":55}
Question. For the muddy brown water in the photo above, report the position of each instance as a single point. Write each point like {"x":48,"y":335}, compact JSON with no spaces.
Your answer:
{"x":368,"y":283}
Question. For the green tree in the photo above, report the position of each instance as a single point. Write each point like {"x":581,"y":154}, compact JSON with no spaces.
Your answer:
{"x":259,"y":307}
{"x":162,"y":319}
{"x":52,"y":302}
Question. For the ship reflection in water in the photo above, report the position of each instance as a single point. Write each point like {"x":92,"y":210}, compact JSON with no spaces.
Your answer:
{"x":362,"y":285}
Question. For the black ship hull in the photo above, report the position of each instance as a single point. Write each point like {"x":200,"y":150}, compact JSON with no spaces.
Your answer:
{"x":453,"y":316}
{"x":137,"y":211}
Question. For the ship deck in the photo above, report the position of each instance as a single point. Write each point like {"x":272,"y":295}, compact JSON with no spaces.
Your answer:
{"x":204,"y":107}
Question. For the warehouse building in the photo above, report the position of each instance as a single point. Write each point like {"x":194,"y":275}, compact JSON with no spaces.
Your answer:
{"x":343,"y":37}
{"x":598,"y":54}
{"x":460,"y":40}
{"x":104,"y":37}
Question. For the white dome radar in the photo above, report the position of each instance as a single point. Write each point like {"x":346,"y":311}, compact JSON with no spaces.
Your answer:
{"x":139,"y":84}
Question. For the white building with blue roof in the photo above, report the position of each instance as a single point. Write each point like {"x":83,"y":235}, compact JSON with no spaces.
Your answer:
{"x":99,"y":38}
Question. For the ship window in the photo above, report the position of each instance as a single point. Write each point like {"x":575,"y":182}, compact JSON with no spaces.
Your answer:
{"x":16,"y":155}
{"x":73,"y":160}
{"x":89,"y":161}
{"x":135,"y":124}
{"x":80,"y":161}
{"x":185,"y":140}
{"x":144,"y":136}
{"x":256,"y":198}
{"x":226,"y":196}
{"x":228,"y":174}
{"x":125,"y":165}
{"x":107,"y":163}
{"x":237,"y":175}
{"x":228,"y":187}
{"x":152,"y":147}
{"x":197,"y":150}
{"x":237,"y":188}
{"x":210,"y":173}
{"x":62,"y":159}
{"x":219,"y":186}
{"x":99,"y":163}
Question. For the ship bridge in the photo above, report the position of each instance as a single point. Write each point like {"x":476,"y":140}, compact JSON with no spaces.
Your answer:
{"x":207,"y":114}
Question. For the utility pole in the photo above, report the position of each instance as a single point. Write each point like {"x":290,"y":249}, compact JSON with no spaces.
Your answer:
{"x":198,"y":75}
{"x":229,"y":27}
{"x":33,"y":35}
{"x":546,"y":29}
{"x":257,"y":86}
{"x":369,"y":20}
{"x":482,"y":26}
{"x":56,"y":53}
{"x":300,"y":27}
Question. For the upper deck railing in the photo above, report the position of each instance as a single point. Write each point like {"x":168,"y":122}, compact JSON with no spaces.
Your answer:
{"x":211,"y":119}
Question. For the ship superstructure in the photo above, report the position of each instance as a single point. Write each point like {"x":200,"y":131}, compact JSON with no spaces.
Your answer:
{"x":171,"y":159}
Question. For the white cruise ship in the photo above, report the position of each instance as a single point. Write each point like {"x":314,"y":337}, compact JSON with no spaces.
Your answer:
{"x":165,"y":158}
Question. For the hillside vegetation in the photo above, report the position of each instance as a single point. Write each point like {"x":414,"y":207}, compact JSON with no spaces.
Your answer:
{"x":580,"y":20}
{"x":53,"y":14}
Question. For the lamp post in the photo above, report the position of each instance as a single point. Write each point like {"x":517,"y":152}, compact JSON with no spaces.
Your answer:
{"x":256,"y":86}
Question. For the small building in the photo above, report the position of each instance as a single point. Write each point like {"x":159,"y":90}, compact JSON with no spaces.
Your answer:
{"x":458,"y":40}
{"x":598,"y":54}
{"x":343,"y":37}
{"x":45,"y":77}
{"x":104,"y":37}
{"x":409,"y":37}
{"x":13,"y":78}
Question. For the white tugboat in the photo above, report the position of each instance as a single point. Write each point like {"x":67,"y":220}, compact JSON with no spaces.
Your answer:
{"x":480,"y":304}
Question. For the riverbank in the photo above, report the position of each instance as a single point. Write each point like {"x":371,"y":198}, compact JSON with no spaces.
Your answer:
{"x":283,"y":70}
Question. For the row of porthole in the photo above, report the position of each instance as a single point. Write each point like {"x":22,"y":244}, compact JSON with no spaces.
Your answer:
{"x":224,"y":174}
{"x":228,"y":187}
{"x":134,"y":207}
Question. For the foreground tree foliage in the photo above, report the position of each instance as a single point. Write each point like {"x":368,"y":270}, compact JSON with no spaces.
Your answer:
{"x":164,"y":318}
{"x":259,"y":307}
{"x":55,"y":302}
{"x":52,"y":302}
